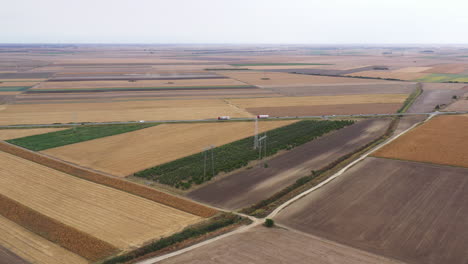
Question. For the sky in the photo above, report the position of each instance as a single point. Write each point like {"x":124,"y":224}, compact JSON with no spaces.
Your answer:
{"x":235,"y":21}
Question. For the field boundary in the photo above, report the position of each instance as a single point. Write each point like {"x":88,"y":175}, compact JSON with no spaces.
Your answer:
{"x":411,"y":98}
{"x":163,"y":88}
{"x":109,"y":181}
{"x":66,"y":236}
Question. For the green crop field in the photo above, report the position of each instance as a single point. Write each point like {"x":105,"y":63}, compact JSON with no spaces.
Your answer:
{"x":278,"y":64}
{"x":184,"y":172}
{"x":438,"y":77}
{"x":14,"y":88}
{"x":74,"y":135}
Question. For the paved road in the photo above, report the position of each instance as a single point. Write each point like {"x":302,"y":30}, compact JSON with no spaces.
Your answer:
{"x":233,"y":119}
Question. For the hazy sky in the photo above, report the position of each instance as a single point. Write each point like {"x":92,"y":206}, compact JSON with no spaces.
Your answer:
{"x":234,"y":21}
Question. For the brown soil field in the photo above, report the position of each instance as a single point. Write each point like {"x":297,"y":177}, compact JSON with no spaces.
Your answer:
{"x":344,"y":89}
{"x":8,"y":257}
{"x":460,"y":105}
{"x":317,"y":110}
{"x":451,"y":68}
{"x":65,"y":236}
{"x":319,"y":100}
{"x":110,"y":181}
{"x":442,"y":140}
{"x":127,"y":153}
{"x":413,"y":212}
{"x":6,"y":134}
{"x":276,"y":246}
{"x":117,"y":111}
{"x":246,"y":187}
{"x":32,"y":247}
{"x":139,"y":83}
{"x":116,"y":217}
{"x":289,"y":79}
{"x":407,"y":76}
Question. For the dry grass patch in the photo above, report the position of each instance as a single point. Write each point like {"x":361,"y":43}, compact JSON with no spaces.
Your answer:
{"x":442,"y":140}
{"x":127,"y":153}
{"x":117,"y":111}
{"x":116,"y":217}
{"x":34,"y":248}
{"x":6,"y":134}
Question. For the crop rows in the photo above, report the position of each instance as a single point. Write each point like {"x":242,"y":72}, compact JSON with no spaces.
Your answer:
{"x":133,"y":188}
{"x":182,"y":173}
{"x":68,"y":237}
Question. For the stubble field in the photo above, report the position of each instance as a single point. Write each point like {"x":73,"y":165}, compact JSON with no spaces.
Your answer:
{"x":124,"y":154}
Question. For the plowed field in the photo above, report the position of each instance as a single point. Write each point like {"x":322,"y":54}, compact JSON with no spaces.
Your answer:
{"x":117,"y":111}
{"x":442,"y":140}
{"x":119,"y":218}
{"x":6,"y":134}
{"x":127,"y":153}
{"x":32,"y":247}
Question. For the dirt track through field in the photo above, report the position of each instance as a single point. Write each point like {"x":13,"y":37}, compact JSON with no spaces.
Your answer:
{"x":253,"y":185}
{"x":276,"y":246}
{"x":127,"y":153}
{"x":122,"y":219}
{"x":410,"y":211}
{"x":32,"y":247}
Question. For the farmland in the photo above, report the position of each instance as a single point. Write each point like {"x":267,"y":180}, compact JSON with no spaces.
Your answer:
{"x":412,"y":211}
{"x":438,"y":77}
{"x":183,"y":172}
{"x":119,"y":218}
{"x":124,"y":154}
{"x":47,"y":138}
{"x":6,"y":134}
{"x":117,"y":111}
{"x":275,"y":246}
{"x":250,"y":186}
{"x":442,"y":140}
{"x":398,"y":75}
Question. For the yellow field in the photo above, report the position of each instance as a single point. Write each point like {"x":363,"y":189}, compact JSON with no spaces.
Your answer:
{"x":10,"y":93}
{"x":319,"y":100}
{"x":142,"y":83}
{"x":117,"y":217}
{"x":289,"y":79}
{"x":124,"y":154}
{"x":32,"y":247}
{"x":6,"y":134}
{"x":117,"y":111}
{"x":401,"y":75}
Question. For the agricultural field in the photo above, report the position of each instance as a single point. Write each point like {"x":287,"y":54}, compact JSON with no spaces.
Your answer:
{"x":438,"y":77}
{"x":118,"y":218}
{"x":397,"y":75}
{"x":271,"y":79}
{"x":275,"y":246}
{"x":31,"y":248}
{"x":182,"y":173}
{"x":442,"y":140}
{"x":450,"y":68}
{"x":44,"y":138}
{"x":127,"y":153}
{"x":413,"y":212}
{"x":8,"y":134}
{"x":244,"y":188}
{"x":117,"y":111}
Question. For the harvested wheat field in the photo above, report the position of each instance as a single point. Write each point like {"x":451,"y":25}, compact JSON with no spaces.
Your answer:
{"x":276,"y":246}
{"x":116,"y":217}
{"x":400,"y":75}
{"x":6,"y":134}
{"x":127,"y":153}
{"x":33,"y":248}
{"x":442,"y":140}
{"x":117,"y":111}
{"x":140,"y":83}
{"x":289,"y":79}
{"x":411,"y":211}
{"x":319,"y":100}
{"x":318,"y":110}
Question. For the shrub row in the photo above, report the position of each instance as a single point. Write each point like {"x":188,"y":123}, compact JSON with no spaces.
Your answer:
{"x":411,"y":99}
{"x":183,"y":172}
{"x":212,"y":225}
{"x":66,"y":236}
{"x":123,"y":185}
